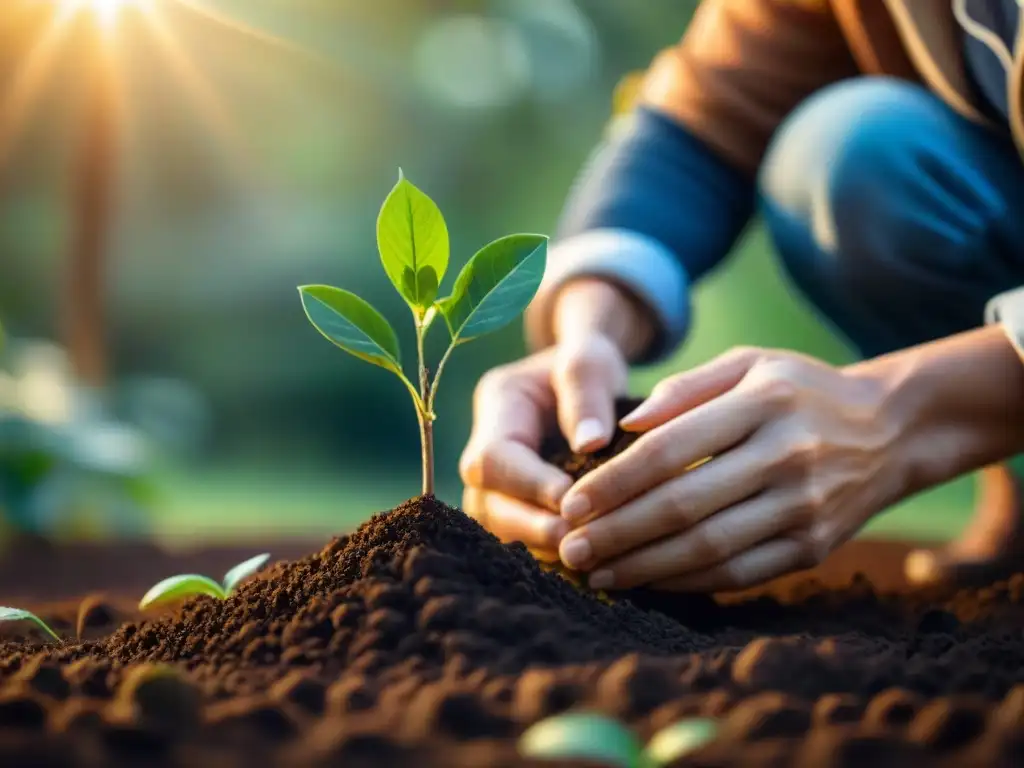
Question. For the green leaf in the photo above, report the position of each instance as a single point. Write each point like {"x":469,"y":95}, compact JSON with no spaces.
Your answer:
{"x":177,"y":587}
{"x":352,"y":324}
{"x":412,"y":235}
{"x":677,"y":740}
{"x":242,"y":571}
{"x":422,"y":284}
{"x":582,"y":736}
{"x":495,"y":286}
{"x":17,"y":614}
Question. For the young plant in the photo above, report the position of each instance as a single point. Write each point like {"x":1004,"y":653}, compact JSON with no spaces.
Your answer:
{"x":191,"y":584}
{"x":589,"y":736}
{"x":17,"y":614}
{"x":582,"y":736}
{"x":494,"y":288}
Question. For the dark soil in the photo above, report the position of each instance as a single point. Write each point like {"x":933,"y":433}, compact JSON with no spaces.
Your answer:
{"x":420,"y":640}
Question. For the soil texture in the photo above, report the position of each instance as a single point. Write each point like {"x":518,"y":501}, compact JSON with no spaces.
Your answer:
{"x":420,"y":640}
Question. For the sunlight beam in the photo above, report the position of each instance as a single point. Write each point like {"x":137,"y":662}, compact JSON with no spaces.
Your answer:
{"x":105,"y":11}
{"x":30,"y":79}
{"x":224,"y":22}
{"x":194,"y":86}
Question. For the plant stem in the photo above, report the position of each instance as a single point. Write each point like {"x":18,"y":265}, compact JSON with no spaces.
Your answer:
{"x":425,"y":414}
{"x":437,"y":376}
{"x":427,"y":441}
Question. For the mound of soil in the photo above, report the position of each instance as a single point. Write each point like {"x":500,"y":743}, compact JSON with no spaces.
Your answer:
{"x":420,"y":640}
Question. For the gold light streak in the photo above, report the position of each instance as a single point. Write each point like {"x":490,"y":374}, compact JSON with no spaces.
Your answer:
{"x":105,"y":11}
{"x":34,"y":72}
{"x":205,"y":100}
{"x":30,"y":79}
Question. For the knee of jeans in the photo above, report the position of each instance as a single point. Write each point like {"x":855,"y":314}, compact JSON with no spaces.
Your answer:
{"x":861,"y":165}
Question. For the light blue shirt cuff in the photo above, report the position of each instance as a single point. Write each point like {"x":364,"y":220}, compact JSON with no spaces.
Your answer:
{"x":640,"y":264}
{"x":1007,"y":310}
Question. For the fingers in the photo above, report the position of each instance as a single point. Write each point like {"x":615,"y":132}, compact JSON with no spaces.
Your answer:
{"x":673,"y":507}
{"x":513,"y":520}
{"x":510,"y":408}
{"x":665,"y":452}
{"x":680,"y":393}
{"x":514,"y":470}
{"x":587,"y":376}
{"x":512,"y":403}
{"x":757,"y":565}
{"x":712,"y":542}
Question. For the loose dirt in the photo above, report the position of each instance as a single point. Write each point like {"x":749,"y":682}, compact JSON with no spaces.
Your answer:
{"x":420,"y":640}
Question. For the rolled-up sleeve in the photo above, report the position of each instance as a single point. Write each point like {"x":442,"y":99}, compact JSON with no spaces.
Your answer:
{"x":653,"y":211}
{"x":1007,"y":309}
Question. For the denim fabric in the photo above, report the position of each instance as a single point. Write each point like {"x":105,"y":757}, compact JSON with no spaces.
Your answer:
{"x":894,"y":216}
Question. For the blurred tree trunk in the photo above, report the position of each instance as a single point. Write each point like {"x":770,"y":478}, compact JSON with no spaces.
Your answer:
{"x":93,"y":204}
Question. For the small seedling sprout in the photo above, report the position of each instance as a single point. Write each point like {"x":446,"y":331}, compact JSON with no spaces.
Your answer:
{"x":677,"y":740}
{"x":494,"y":288}
{"x":17,"y":614}
{"x":582,"y":736}
{"x":192,"y":584}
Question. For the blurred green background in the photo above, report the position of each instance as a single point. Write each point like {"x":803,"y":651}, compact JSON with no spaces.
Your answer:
{"x":259,"y":138}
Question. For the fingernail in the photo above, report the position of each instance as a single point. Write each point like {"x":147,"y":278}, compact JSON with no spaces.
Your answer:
{"x":921,"y":566}
{"x":635,"y":415}
{"x":576,"y":553}
{"x":556,"y":490}
{"x":601,"y":580}
{"x":588,"y":432}
{"x":575,"y":507}
{"x":558,"y":531}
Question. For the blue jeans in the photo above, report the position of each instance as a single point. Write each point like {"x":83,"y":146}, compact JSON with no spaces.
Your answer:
{"x":896,"y":218}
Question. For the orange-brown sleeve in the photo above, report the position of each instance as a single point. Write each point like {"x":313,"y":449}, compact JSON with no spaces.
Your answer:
{"x":742,"y":66}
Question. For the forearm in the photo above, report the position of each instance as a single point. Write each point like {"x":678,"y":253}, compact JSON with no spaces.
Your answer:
{"x":590,"y":305}
{"x":955,"y":405}
{"x":653,"y":211}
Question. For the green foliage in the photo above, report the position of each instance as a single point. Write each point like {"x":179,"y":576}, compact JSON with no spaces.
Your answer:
{"x":412,"y":238}
{"x":352,"y":324}
{"x":191,"y":584}
{"x":495,"y":287}
{"x":17,"y":614}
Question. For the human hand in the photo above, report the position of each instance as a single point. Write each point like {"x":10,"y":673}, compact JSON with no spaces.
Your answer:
{"x":509,"y":489}
{"x":803,"y":455}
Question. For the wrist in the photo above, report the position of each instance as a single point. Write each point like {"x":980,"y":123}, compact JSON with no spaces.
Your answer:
{"x":954,"y":405}
{"x":589,"y":306}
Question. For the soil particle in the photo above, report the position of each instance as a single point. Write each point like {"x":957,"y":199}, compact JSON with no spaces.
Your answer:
{"x":421,"y":640}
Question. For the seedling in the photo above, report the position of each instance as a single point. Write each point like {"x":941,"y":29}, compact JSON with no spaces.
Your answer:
{"x":494,"y":288}
{"x":582,"y":736}
{"x":17,"y":614}
{"x":675,"y":741}
{"x":192,"y":584}
{"x":593,"y":737}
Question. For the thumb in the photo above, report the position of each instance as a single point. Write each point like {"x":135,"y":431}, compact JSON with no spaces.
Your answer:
{"x":587,"y":377}
{"x":682,"y":392}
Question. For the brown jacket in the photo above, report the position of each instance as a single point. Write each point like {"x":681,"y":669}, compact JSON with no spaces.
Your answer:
{"x":743,"y":65}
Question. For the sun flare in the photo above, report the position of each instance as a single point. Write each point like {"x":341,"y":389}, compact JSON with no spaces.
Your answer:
{"x":113,"y":25}
{"x":106,"y":11}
